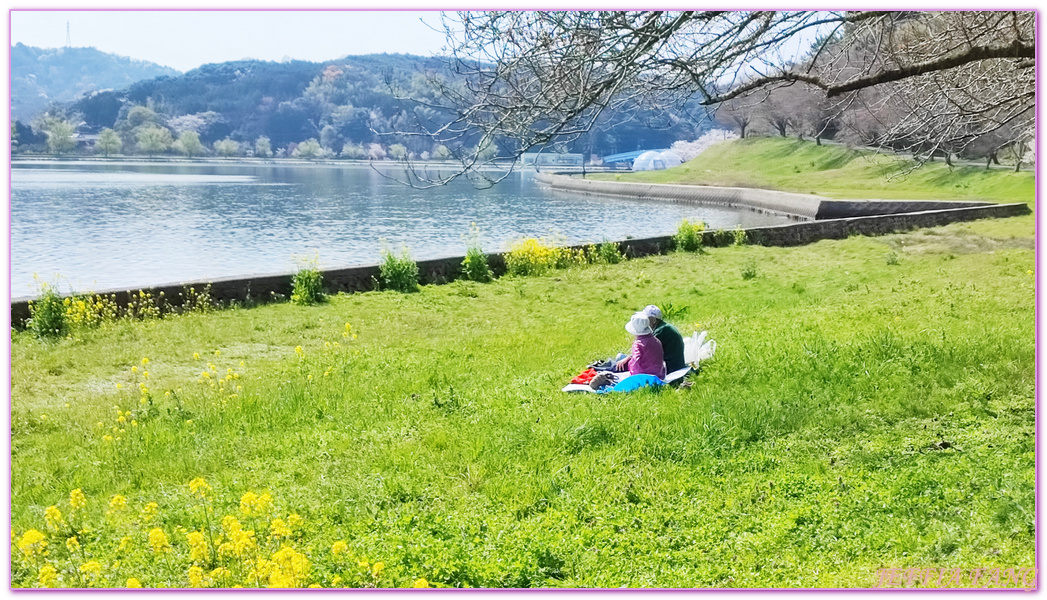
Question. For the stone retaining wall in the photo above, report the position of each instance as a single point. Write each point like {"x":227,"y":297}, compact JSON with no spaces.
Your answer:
{"x":264,"y":288}
{"x":799,"y":206}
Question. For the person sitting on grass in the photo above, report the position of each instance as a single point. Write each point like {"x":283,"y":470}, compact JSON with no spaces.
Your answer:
{"x":669,"y":336}
{"x":646,"y":355}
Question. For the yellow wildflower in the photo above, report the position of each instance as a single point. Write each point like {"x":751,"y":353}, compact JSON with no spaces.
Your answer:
{"x":48,"y":577}
{"x":339,"y":547}
{"x":91,"y":567}
{"x":421,"y":583}
{"x":220,"y":573}
{"x":247,"y":502}
{"x":124,"y":543}
{"x":73,"y":544}
{"x":134,"y":369}
{"x":53,"y":516}
{"x":217,"y":352}
{"x":197,"y":546}
{"x":196,"y":576}
{"x":298,"y":350}
{"x":149,"y":511}
{"x":158,"y":540}
{"x":336,"y":581}
{"x":279,"y":529}
{"x":118,"y":502}
{"x":315,"y":585}
{"x":377,"y":569}
{"x":107,"y":438}
{"x":145,"y":361}
{"x":77,"y":500}
{"x":198,"y":486}
{"x":121,"y":419}
{"x":196,"y":356}
{"x":33,"y":542}
{"x":119,"y":386}
{"x":133,"y":583}
{"x":294,"y":521}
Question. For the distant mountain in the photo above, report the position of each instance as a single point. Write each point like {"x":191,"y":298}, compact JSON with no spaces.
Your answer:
{"x":41,"y":76}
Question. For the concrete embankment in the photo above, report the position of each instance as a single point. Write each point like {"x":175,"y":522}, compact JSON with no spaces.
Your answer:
{"x":798,"y":206}
{"x":269,"y":287}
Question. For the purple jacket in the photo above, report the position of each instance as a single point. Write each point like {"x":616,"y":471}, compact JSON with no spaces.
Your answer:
{"x":647,"y":357}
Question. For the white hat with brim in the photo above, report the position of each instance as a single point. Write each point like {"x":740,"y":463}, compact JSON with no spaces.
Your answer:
{"x":638,"y":324}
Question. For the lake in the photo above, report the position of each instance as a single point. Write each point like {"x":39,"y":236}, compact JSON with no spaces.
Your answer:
{"x":102,"y":226}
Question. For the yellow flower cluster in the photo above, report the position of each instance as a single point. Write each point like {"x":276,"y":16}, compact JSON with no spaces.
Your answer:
{"x":158,"y":540}
{"x":89,"y":310}
{"x":227,"y":556}
{"x":532,"y":256}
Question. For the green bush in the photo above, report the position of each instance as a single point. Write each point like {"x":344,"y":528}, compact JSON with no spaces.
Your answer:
{"x":740,"y":237}
{"x":689,"y":236}
{"x":399,"y":273}
{"x":475,"y":267}
{"x":308,"y":283}
{"x":749,"y":270}
{"x":609,"y":253}
{"x":47,"y":313}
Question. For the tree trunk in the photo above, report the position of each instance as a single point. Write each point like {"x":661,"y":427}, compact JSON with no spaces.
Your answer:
{"x":743,"y":132}
{"x":948,"y":158}
{"x":818,"y":140}
{"x":781,"y":130}
{"x":995,"y":158}
{"x":988,"y":161}
{"x":1018,"y":165}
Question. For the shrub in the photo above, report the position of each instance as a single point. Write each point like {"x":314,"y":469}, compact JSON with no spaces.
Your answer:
{"x":891,"y":258}
{"x":47,"y":313}
{"x":475,"y":267}
{"x":90,"y":310}
{"x":740,"y":236}
{"x":609,"y":253}
{"x":399,"y":273}
{"x":689,"y":236}
{"x":308,"y":282}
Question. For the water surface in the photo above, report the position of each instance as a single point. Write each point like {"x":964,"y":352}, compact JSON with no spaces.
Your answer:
{"x":105,"y":226}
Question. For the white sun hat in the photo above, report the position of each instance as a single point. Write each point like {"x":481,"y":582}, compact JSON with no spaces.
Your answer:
{"x":653,"y":311}
{"x":638,"y":324}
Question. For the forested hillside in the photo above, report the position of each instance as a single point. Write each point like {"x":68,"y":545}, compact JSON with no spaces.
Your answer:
{"x":42,"y":76}
{"x":352,"y":107}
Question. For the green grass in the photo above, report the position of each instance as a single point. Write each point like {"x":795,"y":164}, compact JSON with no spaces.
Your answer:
{"x":808,"y":453}
{"x":833,"y":171}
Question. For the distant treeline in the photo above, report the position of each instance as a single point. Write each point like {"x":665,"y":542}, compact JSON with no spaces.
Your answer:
{"x":350,"y":108}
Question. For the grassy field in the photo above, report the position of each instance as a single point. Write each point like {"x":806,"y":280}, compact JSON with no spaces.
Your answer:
{"x":791,"y":165}
{"x":871,"y":405}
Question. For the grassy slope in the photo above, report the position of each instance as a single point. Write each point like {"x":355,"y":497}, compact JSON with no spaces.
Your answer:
{"x":837,"y":172}
{"x":808,"y":453}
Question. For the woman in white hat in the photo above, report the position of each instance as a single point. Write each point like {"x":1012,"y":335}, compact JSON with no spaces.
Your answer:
{"x":646,"y":356}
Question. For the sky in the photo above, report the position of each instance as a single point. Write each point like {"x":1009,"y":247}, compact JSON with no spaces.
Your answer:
{"x":184,"y":40}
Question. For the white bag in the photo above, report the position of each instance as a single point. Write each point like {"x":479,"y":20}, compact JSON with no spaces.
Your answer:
{"x":696,"y":349}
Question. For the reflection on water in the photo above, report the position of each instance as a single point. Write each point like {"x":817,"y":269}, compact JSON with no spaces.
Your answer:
{"x":126,"y":226}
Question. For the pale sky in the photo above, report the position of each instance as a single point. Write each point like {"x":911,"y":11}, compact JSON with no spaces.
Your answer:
{"x":187,"y":39}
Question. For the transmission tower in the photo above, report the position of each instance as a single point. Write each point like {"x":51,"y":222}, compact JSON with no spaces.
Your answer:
{"x":68,"y":42}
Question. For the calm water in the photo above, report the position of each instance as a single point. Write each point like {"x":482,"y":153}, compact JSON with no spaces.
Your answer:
{"x":128,"y":226}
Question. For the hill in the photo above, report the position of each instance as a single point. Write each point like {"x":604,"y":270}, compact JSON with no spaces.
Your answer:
{"x":352,"y":100}
{"x":40,"y":76}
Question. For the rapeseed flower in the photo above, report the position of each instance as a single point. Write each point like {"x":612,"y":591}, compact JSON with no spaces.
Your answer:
{"x":133,"y":583}
{"x":32,"y":543}
{"x":158,"y":540}
{"x":339,"y":547}
{"x":198,"y":486}
{"x":48,"y":577}
{"x":118,"y":502}
{"x":197,"y":546}
{"x":279,"y":529}
{"x":294,"y":521}
{"x":124,"y":543}
{"x":298,"y":350}
{"x":77,"y":500}
{"x":149,"y":511}
{"x":91,"y":567}
{"x":336,"y":581}
{"x":53,"y":516}
{"x":73,"y":544}
{"x":377,"y":569}
{"x":196,"y":576}
{"x":420,"y":583}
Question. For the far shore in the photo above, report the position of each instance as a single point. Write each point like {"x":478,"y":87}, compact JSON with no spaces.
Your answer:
{"x":297,"y":162}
